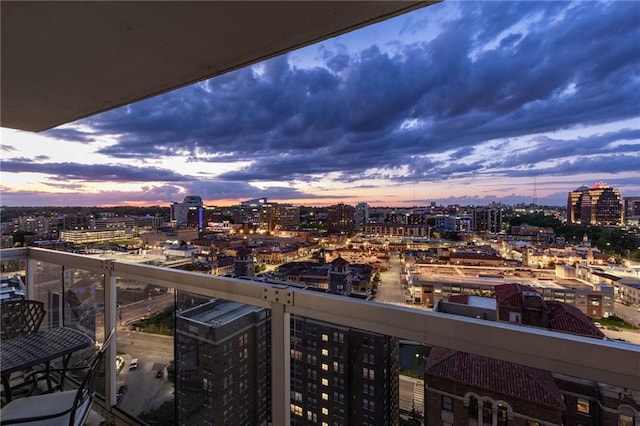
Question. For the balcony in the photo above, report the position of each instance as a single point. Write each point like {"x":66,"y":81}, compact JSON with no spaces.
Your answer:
{"x":75,"y":288}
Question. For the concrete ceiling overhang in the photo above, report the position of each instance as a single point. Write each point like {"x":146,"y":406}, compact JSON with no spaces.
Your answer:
{"x":62,"y":61}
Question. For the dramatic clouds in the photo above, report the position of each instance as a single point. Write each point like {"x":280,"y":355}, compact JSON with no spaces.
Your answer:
{"x":462,"y":93}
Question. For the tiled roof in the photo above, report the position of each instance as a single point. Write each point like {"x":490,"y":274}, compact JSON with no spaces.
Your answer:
{"x":511,"y":294}
{"x":507,"y":378}
{"x":569,"y":319}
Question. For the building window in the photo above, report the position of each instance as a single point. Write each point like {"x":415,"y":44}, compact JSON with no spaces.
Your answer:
{"x":502,"y":415}
{"x":473,"y":407}
{"x":487,"y":412}
{"x":583,"y":406}
{"x":447,"y":403}
{"x":325,"y":396}
{"x":313,"y":417}
{"x":325,"y":367}
{"x":325,"y":411}
{"x":325,"y":382}
{"x":297,"y":410}
{"x":325,"y":337}
{"x":325,"y":352}
{"x":624,"y":420}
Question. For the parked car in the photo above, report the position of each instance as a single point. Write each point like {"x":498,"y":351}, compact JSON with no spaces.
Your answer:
{"x":597,"y":324}
{"x":614,"y":328}
{"x":134,"y":364}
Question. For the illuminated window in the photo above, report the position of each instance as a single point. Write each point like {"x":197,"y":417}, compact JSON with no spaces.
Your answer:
{"x":296,"y":410}
{"x":325,"y":352}
{"x":325,"y":337}
{"x":502,"y":415}
{"x":325,"y":367}
{"x":583,"y":406}
{"x":625,"y":420}
{"x":325,"y":411}
{"x":325,"y":382}
{"x":325,"y":396}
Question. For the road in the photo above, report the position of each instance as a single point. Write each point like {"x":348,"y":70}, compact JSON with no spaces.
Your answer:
{"x":390,"y":288}
{"x":630,"y":314}
{"x":143,"y":308}
{"x":153,"y":352}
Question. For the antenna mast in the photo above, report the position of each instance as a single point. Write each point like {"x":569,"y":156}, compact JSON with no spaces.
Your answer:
{"x":535,"y":196}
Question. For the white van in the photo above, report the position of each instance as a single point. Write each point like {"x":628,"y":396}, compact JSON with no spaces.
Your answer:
{"x":134,"y":364}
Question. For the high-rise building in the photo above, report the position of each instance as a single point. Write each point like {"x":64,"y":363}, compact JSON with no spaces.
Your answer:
{"x":259,"y":214}
{"x":361,"y":216}
{"x":340,"y":218}
{"x":222,"y":364}
{"x":598,"y":205}
{"x":487,"y":219}
{"x":180,"y":211}
{"x":631,"y":208}
{"x":341,"y":375}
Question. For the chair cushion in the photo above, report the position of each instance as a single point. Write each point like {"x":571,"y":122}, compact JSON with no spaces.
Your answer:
{"x":43,"y":405}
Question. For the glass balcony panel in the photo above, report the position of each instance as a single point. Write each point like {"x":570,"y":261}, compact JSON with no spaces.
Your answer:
{"x":462,"y":388}
{"x":72,"y":298}
{"x":145,"y":351}
{"x":343,"y":375}
{"x":337,"y":331}
{"x":223,"y":359}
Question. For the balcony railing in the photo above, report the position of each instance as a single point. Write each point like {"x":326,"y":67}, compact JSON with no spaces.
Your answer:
{"x":610,"y":362}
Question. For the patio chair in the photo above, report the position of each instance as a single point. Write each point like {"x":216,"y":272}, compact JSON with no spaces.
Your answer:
{"x":20,"y":317}
{"x":58,"y":408}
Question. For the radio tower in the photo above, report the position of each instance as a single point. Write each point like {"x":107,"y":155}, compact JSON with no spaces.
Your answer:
{"x":535,"y":196}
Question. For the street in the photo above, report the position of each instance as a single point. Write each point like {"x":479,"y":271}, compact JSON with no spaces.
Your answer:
{"x":390,"y":288}
{"x":145,"y":390}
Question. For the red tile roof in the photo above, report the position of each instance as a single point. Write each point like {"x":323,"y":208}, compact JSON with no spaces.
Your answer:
{"x":507,"y":378}
{"x":511,"y":294}
{"x":569,"y":319}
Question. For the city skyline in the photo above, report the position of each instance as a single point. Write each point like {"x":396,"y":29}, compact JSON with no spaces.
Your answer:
{"x":459,"y":102}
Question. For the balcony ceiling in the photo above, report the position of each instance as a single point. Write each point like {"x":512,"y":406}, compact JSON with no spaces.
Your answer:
{"x":62,"y":61}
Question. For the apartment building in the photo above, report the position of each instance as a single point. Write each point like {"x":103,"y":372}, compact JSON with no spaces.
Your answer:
{"x":342,"y":375}
{"x":222,"y":364}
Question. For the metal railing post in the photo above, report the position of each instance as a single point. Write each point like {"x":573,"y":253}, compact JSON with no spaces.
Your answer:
{"x":110,"y":320}
{"x":31,"y":278}
{"x":280,"y":355}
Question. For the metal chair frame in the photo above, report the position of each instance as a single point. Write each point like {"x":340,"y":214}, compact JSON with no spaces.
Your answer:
{"x":84,"y":395}
{"x":20,"y":317}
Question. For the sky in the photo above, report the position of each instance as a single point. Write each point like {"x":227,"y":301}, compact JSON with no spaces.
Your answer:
{"x":460,"y":102}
